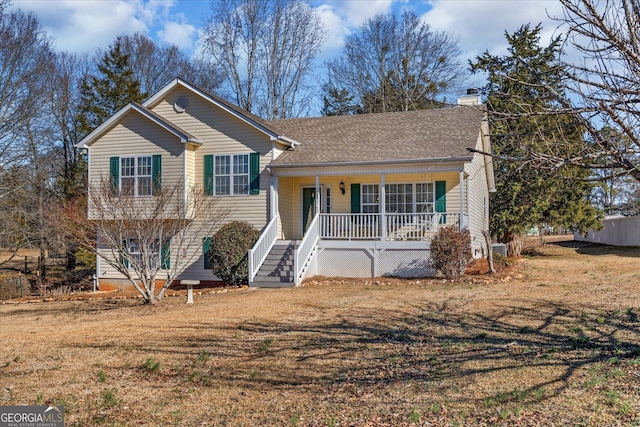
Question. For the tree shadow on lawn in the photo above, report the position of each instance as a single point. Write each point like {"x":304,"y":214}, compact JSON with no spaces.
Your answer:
{"x":438,"y":348}
{"x":58,"y":308}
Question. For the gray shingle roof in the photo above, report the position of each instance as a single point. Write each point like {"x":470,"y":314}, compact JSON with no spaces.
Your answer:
{"x":427,"y":134}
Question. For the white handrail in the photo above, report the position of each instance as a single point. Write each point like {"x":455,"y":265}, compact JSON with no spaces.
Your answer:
{"x":258,"y":253}
{"x":305,"y":250}
{"x":398,"y":226}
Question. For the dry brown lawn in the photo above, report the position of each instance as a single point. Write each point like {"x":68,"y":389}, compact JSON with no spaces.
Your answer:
{"x":558,"y":346}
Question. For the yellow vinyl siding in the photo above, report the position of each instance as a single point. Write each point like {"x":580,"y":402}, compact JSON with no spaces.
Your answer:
{"x":478,"y":196}
{"x":222,"y":133}
{"x":136,"y":135}
{"x":286,"y":207}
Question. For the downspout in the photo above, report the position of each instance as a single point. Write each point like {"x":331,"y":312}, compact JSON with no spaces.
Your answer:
{"x":184,"y":177}
{"x":461,"y":185}
{"x":383,"y":208}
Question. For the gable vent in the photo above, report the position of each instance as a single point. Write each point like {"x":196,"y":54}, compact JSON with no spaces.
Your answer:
{"x":181,"y":104}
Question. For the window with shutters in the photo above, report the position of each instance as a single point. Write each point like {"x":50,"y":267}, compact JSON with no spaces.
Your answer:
{"x":135,"y":252}
{"x":136,"y":176}
{"x":153,"y":254}
{"x":232,"y":174}
{"x":400,"y":198}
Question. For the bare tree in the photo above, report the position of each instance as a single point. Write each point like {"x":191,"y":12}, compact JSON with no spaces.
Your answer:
{"x":601,"y":91}
{"x":154,"y":66}
{"x":24,"y":50}
{"x":397,"y":63}
{"x":147,"y":240}
{"x":25,"y":64}
{"x":266,"y":50}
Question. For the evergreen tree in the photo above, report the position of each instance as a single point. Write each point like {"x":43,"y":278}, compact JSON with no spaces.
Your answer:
{"x":338,"y":102}
{"x":527,"y":195}
{"x":108,"y":90}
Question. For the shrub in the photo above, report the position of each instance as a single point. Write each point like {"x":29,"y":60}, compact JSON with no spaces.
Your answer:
{"x":228,"y":252}
{"x":451,"y":251}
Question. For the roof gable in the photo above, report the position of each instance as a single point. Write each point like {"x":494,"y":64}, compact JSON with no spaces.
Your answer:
{"x":180,"y":133}
{"x":245,"y":116}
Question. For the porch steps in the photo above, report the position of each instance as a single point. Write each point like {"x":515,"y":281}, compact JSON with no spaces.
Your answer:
{"x":277,"y":269}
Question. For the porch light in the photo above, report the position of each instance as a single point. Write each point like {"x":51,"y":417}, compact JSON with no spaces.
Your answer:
{"x":341,"y":186}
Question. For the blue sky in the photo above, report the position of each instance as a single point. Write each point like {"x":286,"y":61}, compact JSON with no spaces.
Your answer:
{"x":84,"y":25}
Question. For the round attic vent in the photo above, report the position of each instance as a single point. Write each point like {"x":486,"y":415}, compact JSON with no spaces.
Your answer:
{"x":181,"y":104}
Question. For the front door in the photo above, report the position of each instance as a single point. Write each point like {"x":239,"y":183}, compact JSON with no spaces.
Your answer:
{"x":308,"y":207}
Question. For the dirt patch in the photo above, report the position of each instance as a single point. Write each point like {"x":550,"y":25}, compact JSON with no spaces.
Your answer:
{"x":558,"y":343}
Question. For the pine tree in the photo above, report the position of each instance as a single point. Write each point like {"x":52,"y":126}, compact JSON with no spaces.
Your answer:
{"x":527,"y":195}
{"x":110,"y":89}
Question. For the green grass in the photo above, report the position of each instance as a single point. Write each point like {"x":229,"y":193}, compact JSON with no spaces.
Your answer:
{"x":414,"y":415}
{"x":203,"y":356}
{"x":109,"y":399}
{"x":293,"y":422}
{"x":151,"y":365}
{"x":102,"y":377}
{"x":264,"y":346}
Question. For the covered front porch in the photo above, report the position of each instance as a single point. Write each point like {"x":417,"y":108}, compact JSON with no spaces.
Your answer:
{"x":355,"y":223}
{"x":385,"y":207}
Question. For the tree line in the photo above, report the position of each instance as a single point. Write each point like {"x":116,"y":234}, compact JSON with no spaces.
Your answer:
{"x":262,"y":55}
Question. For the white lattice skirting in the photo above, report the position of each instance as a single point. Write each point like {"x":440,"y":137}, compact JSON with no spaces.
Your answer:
{"x":372,"y":262}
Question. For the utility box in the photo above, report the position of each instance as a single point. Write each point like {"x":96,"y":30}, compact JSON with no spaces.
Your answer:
{"x":499,"y":248}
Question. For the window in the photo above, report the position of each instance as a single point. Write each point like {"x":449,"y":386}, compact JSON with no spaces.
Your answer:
{"x":154,"y":253}
{"x":328,"y":201}
{"x":135,"y":175}
{"x":136,"y":252}
{"x":370,"y":198}
{"x":231,"y":175}
{"x":399,"y":198}
{"x":424,"y":198}
{"x":241,"y":174}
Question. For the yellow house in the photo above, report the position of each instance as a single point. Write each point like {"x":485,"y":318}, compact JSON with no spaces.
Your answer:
{"x":350,"y":196}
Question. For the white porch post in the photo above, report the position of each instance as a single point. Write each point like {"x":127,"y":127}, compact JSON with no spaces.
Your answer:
{"x":273,"y":200}
{"x":460,"y":221}
{"x":383,"y":211}
{"x":318,"y":197}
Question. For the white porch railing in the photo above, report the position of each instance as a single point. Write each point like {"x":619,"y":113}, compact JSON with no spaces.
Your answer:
{"x":303,"y":254}
{"x":397,"y":226}
{"x":258,"y":253}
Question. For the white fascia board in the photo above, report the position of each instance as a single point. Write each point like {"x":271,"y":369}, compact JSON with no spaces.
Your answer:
{"x":461,"y":159}
{"x":289,"y":141}
{"x":87,"y":140}
{"x":177,"y":81}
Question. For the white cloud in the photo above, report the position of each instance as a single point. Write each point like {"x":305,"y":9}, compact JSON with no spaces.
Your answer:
{"x":181,"y":35}
{"x":481,"y":25}
{"x":84,"y":25}
{"x":335,"y":27}
{"x":341,"y":17}
{"x":80,"y":26}
{"x":355,"y":12}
